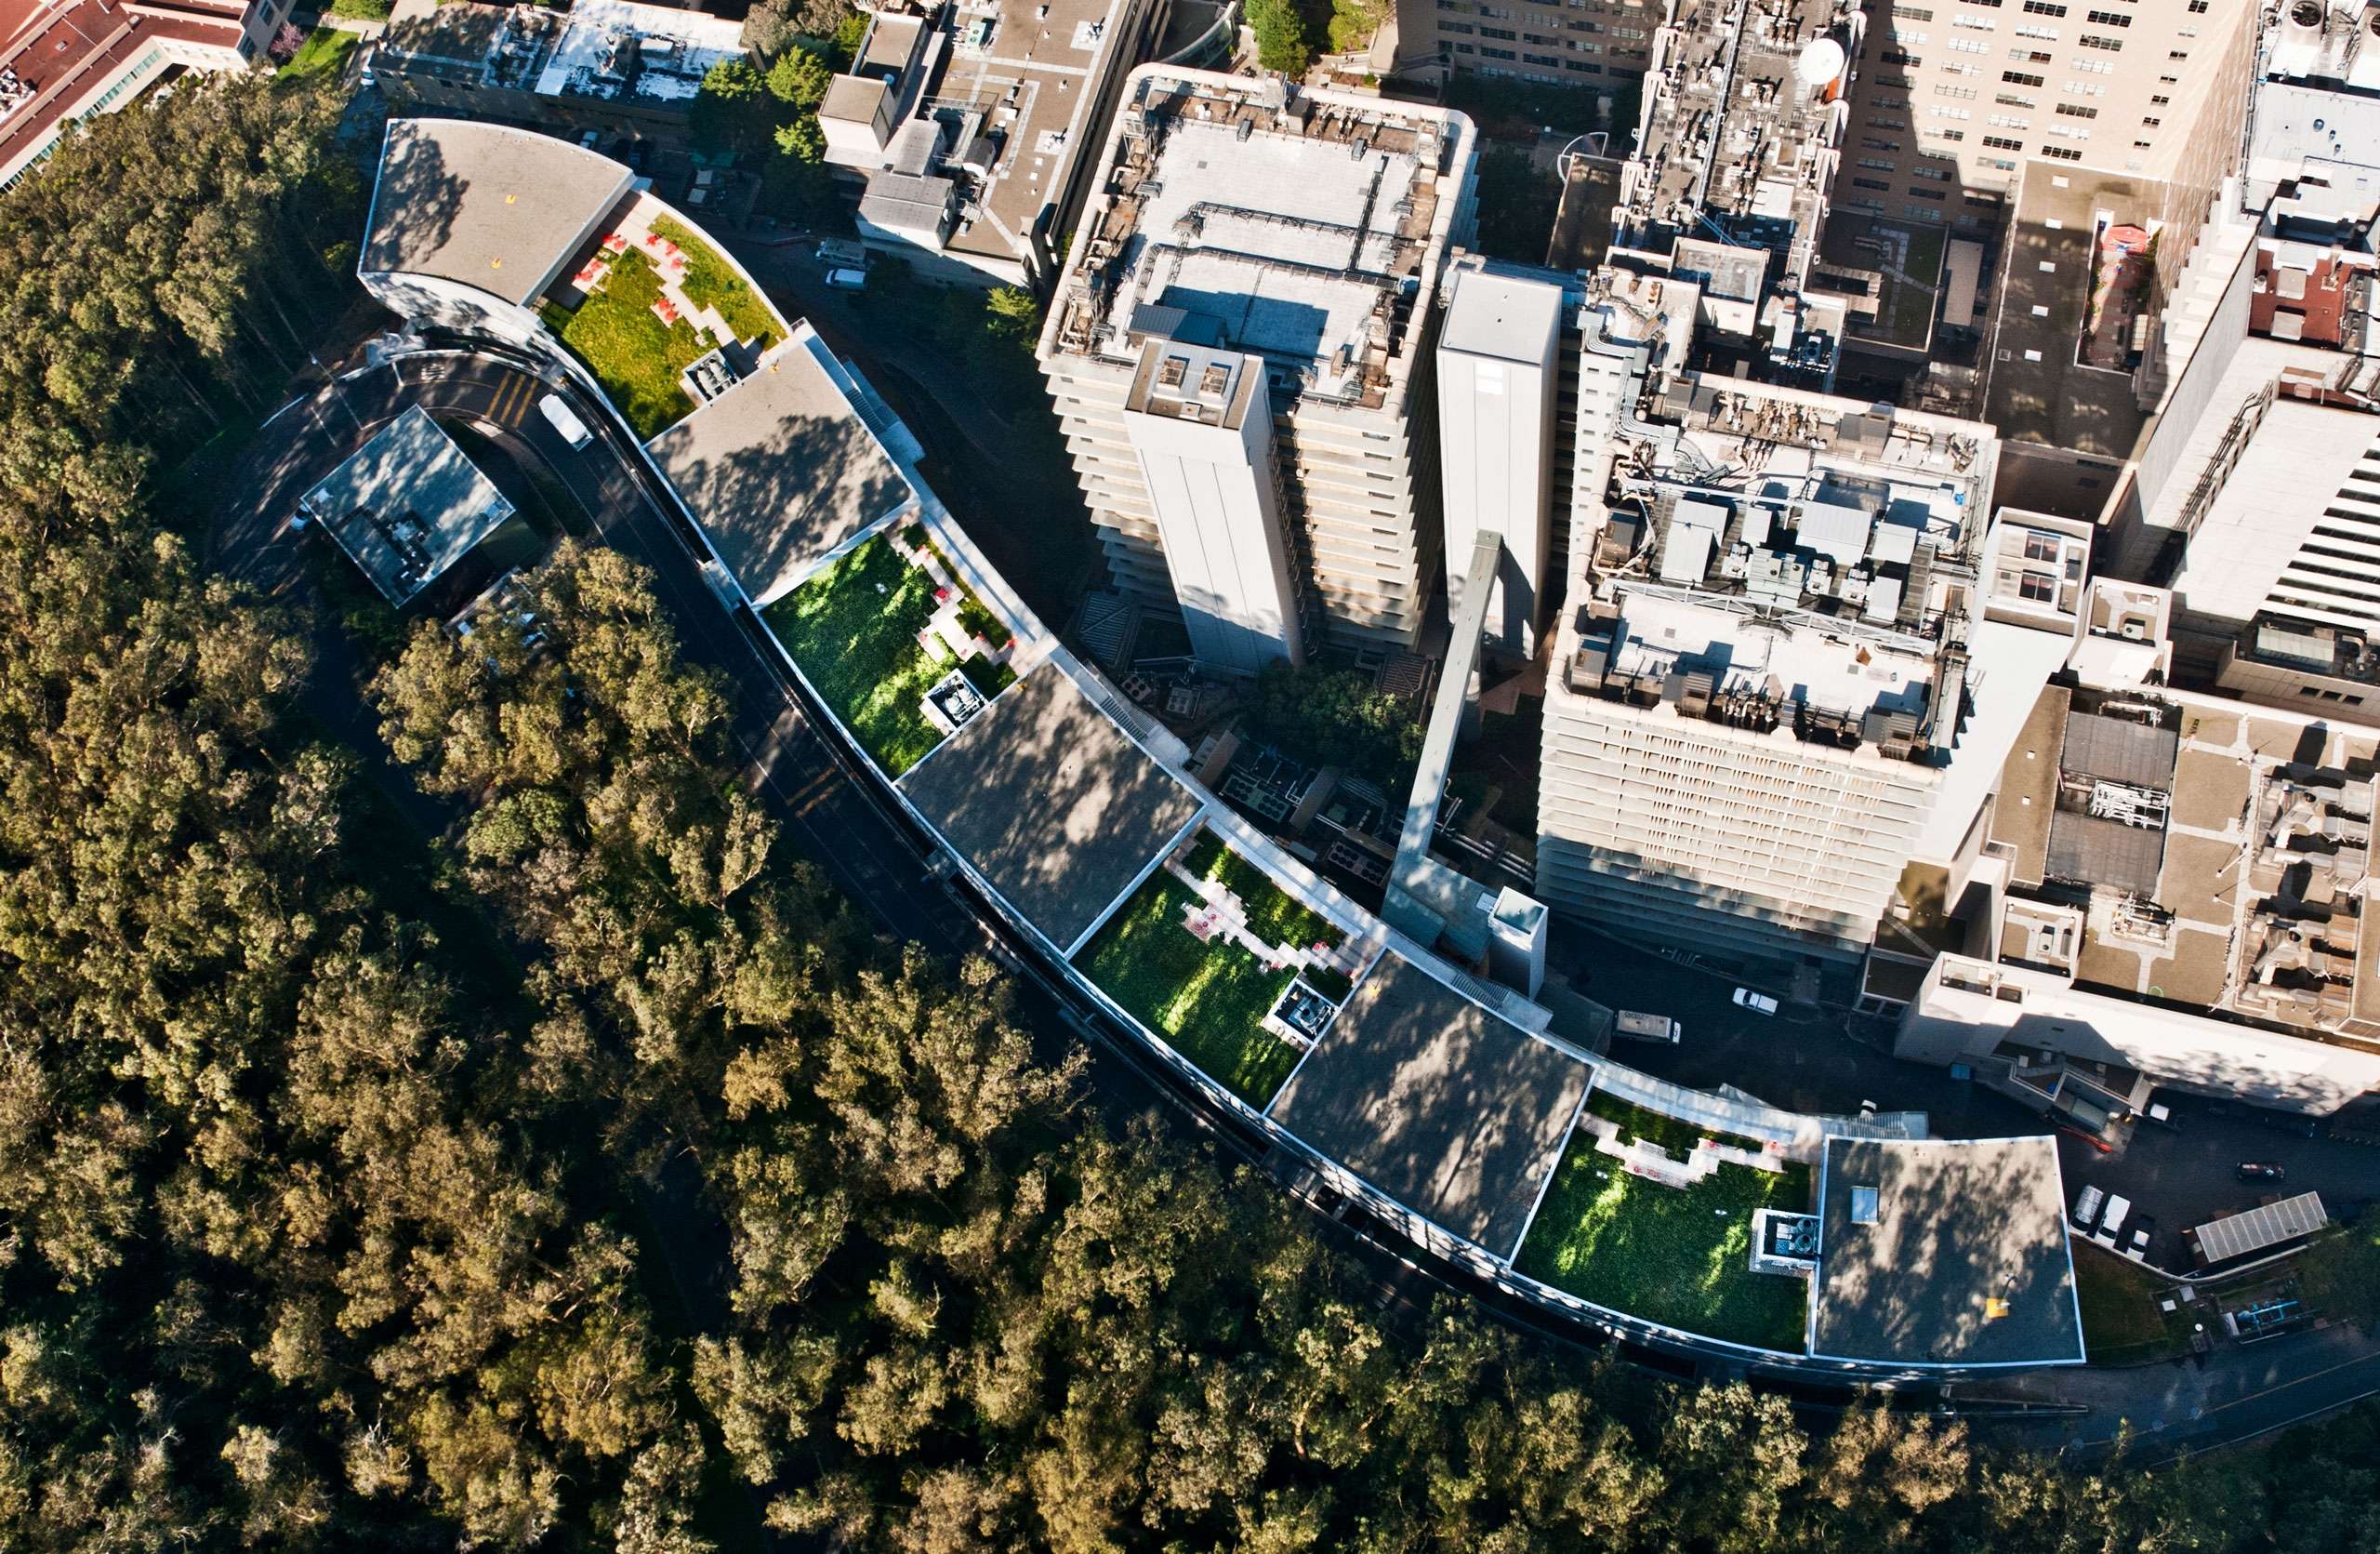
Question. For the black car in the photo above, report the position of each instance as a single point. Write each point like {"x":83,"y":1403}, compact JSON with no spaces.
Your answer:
{"x":2262,"y":1171}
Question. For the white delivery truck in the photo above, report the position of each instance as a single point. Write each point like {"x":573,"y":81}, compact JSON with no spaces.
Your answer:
{"x":565,"y":421}
{"x":1647,"y":1027}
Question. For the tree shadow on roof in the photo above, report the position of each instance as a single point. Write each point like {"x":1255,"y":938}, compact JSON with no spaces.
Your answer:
{"x":776,"y":503}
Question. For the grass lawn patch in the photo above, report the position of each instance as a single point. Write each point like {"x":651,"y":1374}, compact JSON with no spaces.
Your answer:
{"x":2120,"y":1322}
{"x":1208,"y":1000}
{"x":711,"y":282}
{"x":1272,"y":915}
{"x":853,"y":629}
{"x":322,"y":56}
{"x":1679,"y":1256}
{"x":986,"y":676}
{"x":1670,"y":1133}
{"x":632,"y":352}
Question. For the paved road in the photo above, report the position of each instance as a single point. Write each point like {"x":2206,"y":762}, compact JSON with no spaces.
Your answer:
{"x":825,"y":814}
{"x":2177,"y":1409}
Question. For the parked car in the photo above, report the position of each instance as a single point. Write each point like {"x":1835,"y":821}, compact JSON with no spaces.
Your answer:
{"x":2262,"y":1171}
{"x":1647,"y":1028}
{"x":2086,"y":1207}
{"x":847,"y":280}
{"x":565,"y":421}
{"x":1759,"y":1004}
{"x":2111,"y":1223}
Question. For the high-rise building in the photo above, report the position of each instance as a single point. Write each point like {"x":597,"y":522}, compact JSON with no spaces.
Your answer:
{"x":1497,"y":374}
{"x":1249,"y":221}
{"x":1568,"y":43}
{"x":1200,"y":422}
{"x":1778,"y":676}
{"x":1955,"y":96}
{"x":1727,"y":185}
{"x":970,"y":127}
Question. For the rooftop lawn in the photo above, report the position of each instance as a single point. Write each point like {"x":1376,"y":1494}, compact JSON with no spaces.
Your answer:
{"x":322,"y":56}
{"x":1208,"y":1000}
{"x":632,"y":352}
{"x":853,"y":629}
{"x":1676,"y":1256}
{"x":711,"y":282}
{"x":1273,"y":915}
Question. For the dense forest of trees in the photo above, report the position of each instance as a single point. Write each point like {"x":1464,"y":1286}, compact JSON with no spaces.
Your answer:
{"x":589,"y":1176}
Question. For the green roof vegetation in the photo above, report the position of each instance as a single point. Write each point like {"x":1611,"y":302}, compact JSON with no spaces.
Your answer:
{"x":1272,"y":915}
{"x":1667,"y":1132}
{"x":1208,"y":1001}
{"x":711,"y":282}
{"x":635,"y":357}
{"x":853,"y":629}
{"x":322,"y":56}
{"x":1676,"y":1256}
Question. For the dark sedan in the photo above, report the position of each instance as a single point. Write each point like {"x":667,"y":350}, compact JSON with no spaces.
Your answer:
{"x":2262,"y":1171}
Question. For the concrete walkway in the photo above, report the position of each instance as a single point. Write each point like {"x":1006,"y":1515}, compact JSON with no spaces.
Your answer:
{"x":1647,"y":1159}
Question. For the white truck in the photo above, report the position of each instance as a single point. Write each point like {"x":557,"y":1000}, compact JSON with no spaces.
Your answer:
{"x":565,"y":421}
{"x":1639,"y":1026}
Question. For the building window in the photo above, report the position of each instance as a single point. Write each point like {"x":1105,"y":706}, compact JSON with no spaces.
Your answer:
{"x":2061,"y":153}
{"x":2109,"y":44}
{"x":2019,"y":78}
{"x":1871,"y":183}
{"x":2042,"y":7}
{"x":2109,"y":19}
{"x":2076,"y":111}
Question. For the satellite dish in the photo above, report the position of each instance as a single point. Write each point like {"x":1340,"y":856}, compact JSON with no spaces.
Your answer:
{"x":1820,"y":62}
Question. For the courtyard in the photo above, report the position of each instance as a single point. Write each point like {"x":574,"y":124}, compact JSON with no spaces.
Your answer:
{"x":862,"y":632}
{"x":1679,"y":1256}
{"x":1178,"y":958}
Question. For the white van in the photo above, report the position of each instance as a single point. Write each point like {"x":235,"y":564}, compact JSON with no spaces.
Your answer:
{"x":847,"y":280}
{"x":565,"y":421}
{"x":2117,"y":1209}
{"x":1647,"y":1028}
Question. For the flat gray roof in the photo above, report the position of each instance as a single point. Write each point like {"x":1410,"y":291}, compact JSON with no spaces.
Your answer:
{"x":2090,"y":848}
{"x":407,"y":505}
{"x":492,"y":207}
{"x":780,"y":469}
{"x":1503,"y":316}
{"x":1446,"y":1108}
{"x":2055,"y":401}
{"x":1055,"y":804}
{"x":2116,"y":750}
{"x":1965,"y":1262}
